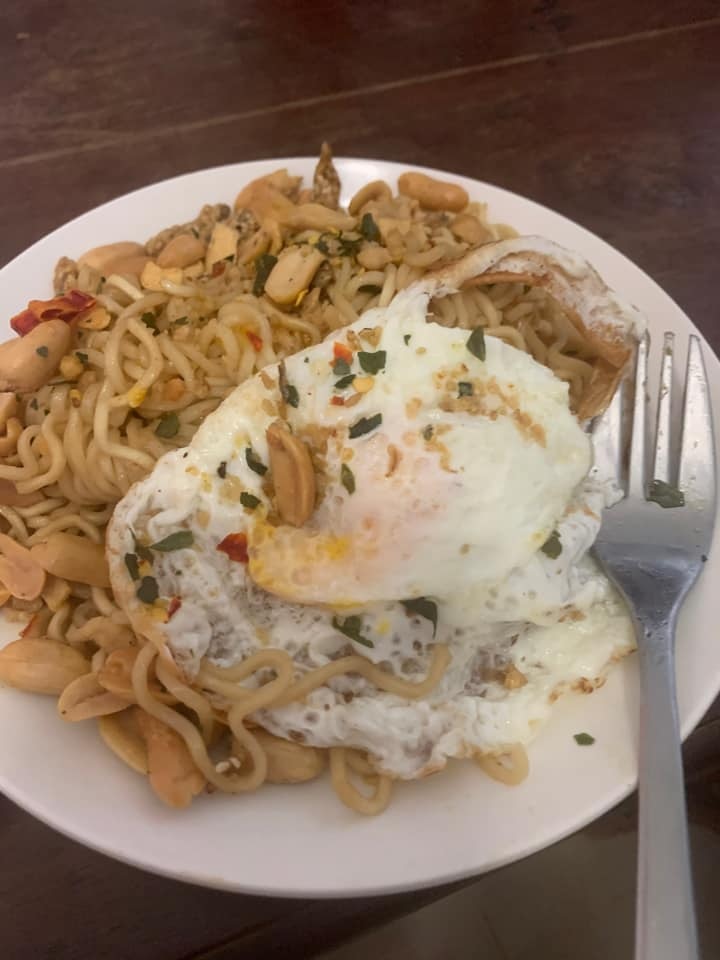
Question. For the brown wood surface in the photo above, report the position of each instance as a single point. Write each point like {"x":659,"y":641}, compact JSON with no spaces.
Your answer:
{"x":606,"y":110}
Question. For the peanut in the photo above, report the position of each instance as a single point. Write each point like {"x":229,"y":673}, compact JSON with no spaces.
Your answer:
{"x":183,"y":250}
{"x":41,"y":666}
{"x":27,"y":363}
{"x":292,"y":474}
{"x":72,"y":557}
{"x":433,"y":194}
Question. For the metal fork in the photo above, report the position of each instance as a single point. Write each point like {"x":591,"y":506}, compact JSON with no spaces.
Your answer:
{"x":654,"y":554}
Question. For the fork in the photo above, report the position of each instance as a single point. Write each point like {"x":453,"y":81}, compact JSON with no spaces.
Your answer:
{"x":653,"y":555}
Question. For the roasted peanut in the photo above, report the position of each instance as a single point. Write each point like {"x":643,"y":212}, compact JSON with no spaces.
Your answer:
{"x":120,"y":732}
{"x":84,"y":698}
{"x":289,"y":762}
{"x":292,"y":474}
{"x":173,"y":775}
{"x":104,"y":259}
{"x":27,"y":363}
{"x":433,"y":194}
{"x":373,"y":257}
{"x":10,"y":497}
{"x":376,"y":190}
{"x":72,"y":557}
{"x":468,"y":228}
{"x":223,"y":244}
{"x":56,"y":592}
{"x":292,"y":273}
{"x":19,"y":571}
{"x":181,"y":251}
{"x":41,"y":666}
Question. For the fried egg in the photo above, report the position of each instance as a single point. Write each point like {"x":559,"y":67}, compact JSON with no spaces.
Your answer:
{"x":451,"y":504}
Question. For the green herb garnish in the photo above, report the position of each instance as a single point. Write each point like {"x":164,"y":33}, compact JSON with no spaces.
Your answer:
{"x":321,"y":244}
{"x":42,"y":351}
{"x":180,"y":540}
{"x":364,"y":425}
{"x":372,"y":288}
{"x":584,"y":739}
{"x":351,"y":627}
{"x":427,"y":432}
{"x":222,"y":469}
{"x":249,"y":500}
{"x":82,"y":357}
{"x":476,"y":343}
{"x":552,"y":547}
{"x":406,"y":338}
{"x":344,"y":382}
{"x":133,"y":566}
{"x":290,"y":395}
{"x":168,"y":426}
{"x":340,"y":367}
{"x":263,"y":267}
{"x":181,"y":321}
{"x":150,"y":320}
{"x":666,"y":494}
{"x":372,"y":362}
{"x":148,"y":590}
{"x":34,"y":404}
{"x":145,"y":553}
{"x":254,"y":462}
{"x":368,"y":228}
{"x":422,"y":607}
{"x":347,"y":478}
{"x":465,"y":389}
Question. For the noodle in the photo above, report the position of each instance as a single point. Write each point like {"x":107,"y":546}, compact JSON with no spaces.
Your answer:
{"x":149,"y":365}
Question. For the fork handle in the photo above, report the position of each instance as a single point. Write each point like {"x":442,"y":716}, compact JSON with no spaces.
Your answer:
{"x":665,"y":927}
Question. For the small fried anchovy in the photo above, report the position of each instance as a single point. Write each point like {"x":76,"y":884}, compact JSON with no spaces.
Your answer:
{"x":254,"y":462}
{"x":552,"y":547}
{"x":368,"y":228}
{"x":249,"y":500}
{"x":665,"y":494}
{"x":584,"y":739}
{"x":148,"y":590}
{"x":222,"y":469}
{"x":364,"y":425}
{"x":372,"y":362}
{"x":347,"y":478}
{"x":351,"y":627}
{"x":427,"y":609}
{"x":287,"y":391}
{"x":465,"y":389}
{"x":263,"y":267}
{"x":133,"y":567}
{"x":476,"y":343}
{"x":180,"y":540}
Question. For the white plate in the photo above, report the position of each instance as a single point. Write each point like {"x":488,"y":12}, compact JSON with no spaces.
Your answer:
{"x":300,"y":841}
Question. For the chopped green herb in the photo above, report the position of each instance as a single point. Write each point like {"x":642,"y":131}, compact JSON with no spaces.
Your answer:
{"x":465,"y":389}
{"x":180,"y":540}
{"x":364,"y":425}
{"x":249,"y":500}
{"x":34,"y":403}
{"x":372,"y":288}
{"x":263,"y":267}
{"x":552,"y":547}
{"x":476,"y":343}
{"x":168,"y":426}
{"x":82,"y":357}
{"x":254,"y":462}
{"x":351,"y":627}
{"x":148,"y":590}
{"x":222,"y":469}
{"x":427,"y":432}
{"x":321,"y":244}
{"x":42,"y":351}
{"x":344,"y":382}
{"x":407,"y":337}
{"x":347,"y":478}
{"x":665,"y":494}
{"x":427,"y":609}
{"x":584,"y":739}
{"x":349,"y":246}
{"x":133,"y":566}
{"x":145,"y":553}
{"x":181,"y":321}
{"x":340,"y":367}
{"x":290,"y":394}
{"x":150,"y":320}
{"x":368,"y":228}
{"x":306,"y":360}
{"x":372,"y":362}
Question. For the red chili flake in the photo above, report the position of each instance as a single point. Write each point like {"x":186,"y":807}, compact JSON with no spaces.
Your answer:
{"x":174,"y":606}
{"x":342,"y":352}
{"x":337,"y":401}
{"x":255,"y":340}
{"x":218,"y":269}
{"x":235,"y":546}
{"x":66,"y":307}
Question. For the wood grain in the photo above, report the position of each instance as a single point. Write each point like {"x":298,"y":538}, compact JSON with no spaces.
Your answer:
{"x":605,"y":110}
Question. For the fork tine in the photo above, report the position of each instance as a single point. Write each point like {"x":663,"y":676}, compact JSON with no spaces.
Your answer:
{"x":661,"y":460}
{"x":636,"y":467}
{"x":607,"y":434}
{"x":696,"y":477}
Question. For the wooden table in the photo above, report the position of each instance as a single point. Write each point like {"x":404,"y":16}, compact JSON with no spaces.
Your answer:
{"x":606,"y":110}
